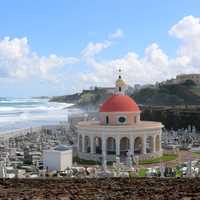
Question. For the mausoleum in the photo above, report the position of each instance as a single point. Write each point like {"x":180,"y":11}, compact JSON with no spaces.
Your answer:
{"x":119,"y":131}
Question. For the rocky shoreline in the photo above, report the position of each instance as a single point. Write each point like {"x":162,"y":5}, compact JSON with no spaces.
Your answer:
{"x":19,"y":132}
{"x":24,"y":131}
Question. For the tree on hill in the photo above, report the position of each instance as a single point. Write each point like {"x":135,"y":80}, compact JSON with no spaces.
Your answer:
{"x":166,"y":95}
{"x":189,"y":83}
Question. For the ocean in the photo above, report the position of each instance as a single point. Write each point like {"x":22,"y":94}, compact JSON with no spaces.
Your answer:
{"x":16,"y":113}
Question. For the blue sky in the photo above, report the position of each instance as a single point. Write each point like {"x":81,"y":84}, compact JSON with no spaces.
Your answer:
{"x":66,"y":28}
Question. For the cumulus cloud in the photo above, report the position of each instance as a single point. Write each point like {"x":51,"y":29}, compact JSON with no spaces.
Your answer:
{"x":188,"y":31}
{"x":186,"y":28}
{"x":152,"y":67}
{"x":18,"y":61}
{"x":155,"y":65}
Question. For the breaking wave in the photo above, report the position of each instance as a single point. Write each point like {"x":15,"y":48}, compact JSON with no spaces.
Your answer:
{"x":27,"y":112}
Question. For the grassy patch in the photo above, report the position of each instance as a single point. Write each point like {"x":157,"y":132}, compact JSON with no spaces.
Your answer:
{"x":142,"y":172}
{"x":166,"y":157}
{"x":196,"y":154}
{"x":85,"y":162}
{"x":178,"y":173}
{"x":88,"y":162}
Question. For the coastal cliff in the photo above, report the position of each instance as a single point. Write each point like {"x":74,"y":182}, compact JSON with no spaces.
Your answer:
{"x":163,"y":95}
{"x":87,"y":99}
{"x":175,"y":105}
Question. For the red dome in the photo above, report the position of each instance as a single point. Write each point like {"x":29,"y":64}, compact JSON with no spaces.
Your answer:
{"x":119,"y":103}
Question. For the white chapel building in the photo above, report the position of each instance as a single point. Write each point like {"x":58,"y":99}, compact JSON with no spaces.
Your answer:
{"x":119,"y":131}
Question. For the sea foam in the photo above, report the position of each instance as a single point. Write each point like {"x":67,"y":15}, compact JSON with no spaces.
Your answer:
{"x":27,"y":112}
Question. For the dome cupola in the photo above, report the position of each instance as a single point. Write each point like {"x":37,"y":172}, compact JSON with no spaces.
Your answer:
{"x":119,"y":109}
{"x":119,"y":103}
{"x":120,"y":84}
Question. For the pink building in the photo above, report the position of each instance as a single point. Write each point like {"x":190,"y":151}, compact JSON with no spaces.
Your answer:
{"x":119,"y":131}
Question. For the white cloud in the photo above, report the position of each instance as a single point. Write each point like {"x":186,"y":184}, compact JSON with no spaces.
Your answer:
{"x":155,"y":65}
{"x":95,"y":48}
{"x":152,"y":67}
{"x":188,"y":31}
{"x":18,"y":61}
{"x":117,"y":34}
{"x":188,"y":27}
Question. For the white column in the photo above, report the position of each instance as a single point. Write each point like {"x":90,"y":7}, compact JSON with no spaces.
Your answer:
{"x":154,"y":143}
{"x":92,"y":144}
{"x":160,"y":141}
{"x":117,"y":139}
{"x":103,"y":145}
{"x":83,"y":143}
{"x":144,"y":144}
{"x":104,"y":159}
{"x":132,"y":145}
{"x":78,"y":143}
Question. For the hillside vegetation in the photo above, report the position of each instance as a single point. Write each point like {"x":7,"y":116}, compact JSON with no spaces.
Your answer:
{"x":176,"y":106}
{"x":169,"y":95}
{"x":88,"y":99}
{"x":165,"y":95}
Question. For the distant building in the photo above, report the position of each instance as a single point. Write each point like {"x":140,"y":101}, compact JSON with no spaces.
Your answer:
{"x":169,"y":82}
{"x":137,"y":87}
{"x":184,"y":77}
{"x":108,"y":90}
{"x":58,"y":158}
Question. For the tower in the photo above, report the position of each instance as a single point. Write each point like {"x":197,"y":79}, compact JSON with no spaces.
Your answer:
{"x":120,"y":84}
